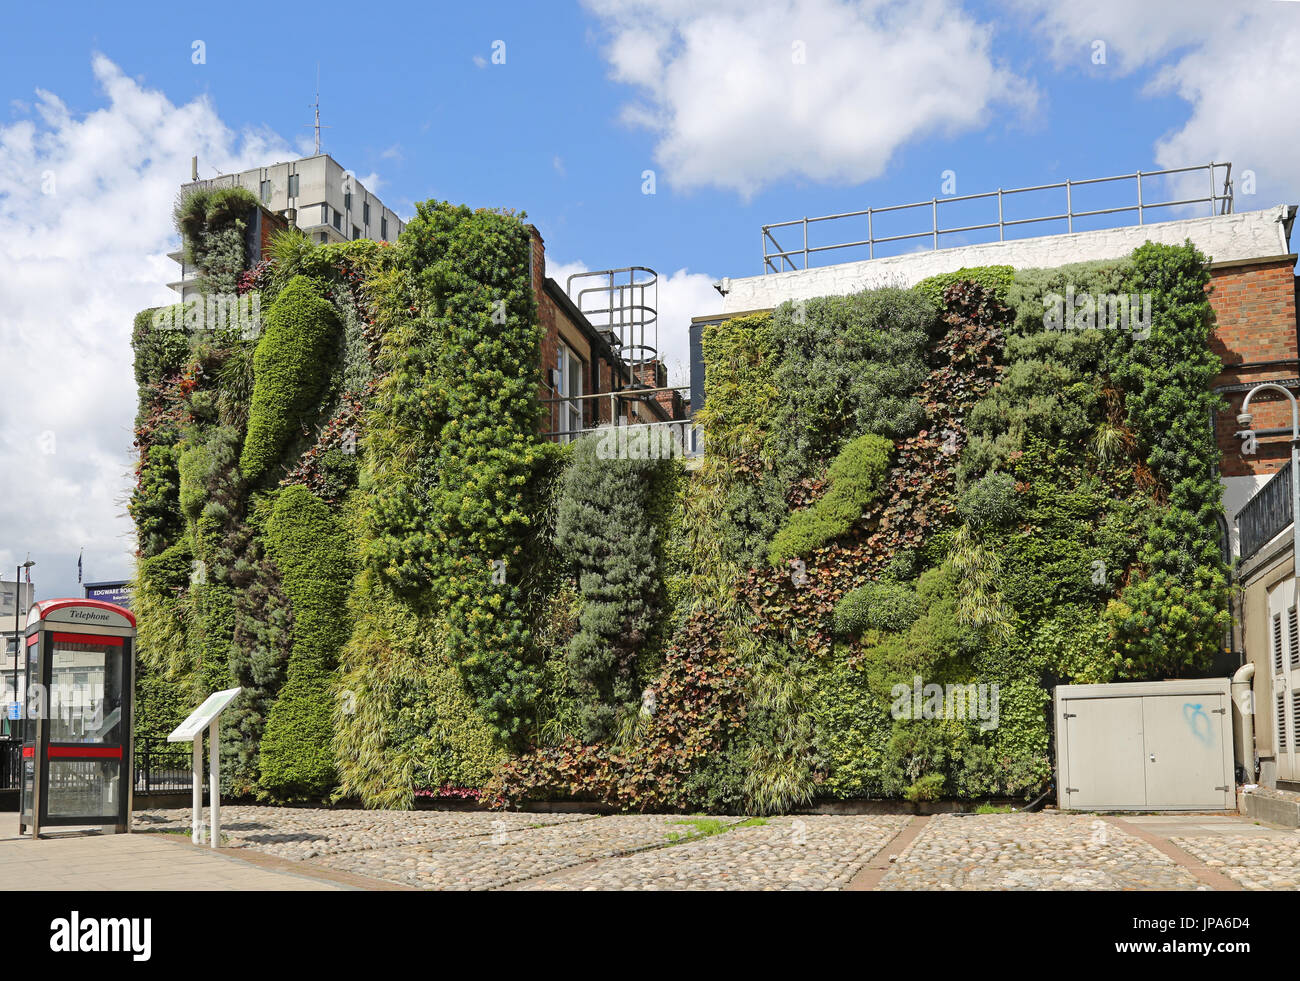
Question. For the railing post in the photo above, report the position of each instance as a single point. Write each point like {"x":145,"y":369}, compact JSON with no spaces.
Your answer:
{"x":1001,"y":227}
{"x":1212,"y":191}
{"x":871,"y":237}
{"x":1139,"y":177}
{"x":805,"y":241}
{"x":934,"y":216}
{"x":1069,"y":207}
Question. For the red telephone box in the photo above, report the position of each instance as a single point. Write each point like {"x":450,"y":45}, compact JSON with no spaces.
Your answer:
{"x":76,"y":753}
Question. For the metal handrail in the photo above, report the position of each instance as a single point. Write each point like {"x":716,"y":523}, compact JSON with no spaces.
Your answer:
{"x":1266,"y":515}
{"x":1223,"y":201}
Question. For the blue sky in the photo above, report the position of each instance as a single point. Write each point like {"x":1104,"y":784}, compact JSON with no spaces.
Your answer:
{"x":710,"y":96}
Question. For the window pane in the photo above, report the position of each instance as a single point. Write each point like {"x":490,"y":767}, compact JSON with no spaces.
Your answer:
{"x":85,"y":701}
{"x":84,"y":787}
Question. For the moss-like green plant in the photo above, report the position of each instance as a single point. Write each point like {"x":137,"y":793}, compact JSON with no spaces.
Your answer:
{"x":290,"y":367}
{"x":856,"y":476}
{"x":998,"y":279}
{"x":886,"y":606}
{"x":314,"y":556}
{"x":992,"y":501}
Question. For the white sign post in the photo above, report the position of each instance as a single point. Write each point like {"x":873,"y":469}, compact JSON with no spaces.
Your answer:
{"x":206,"y":716}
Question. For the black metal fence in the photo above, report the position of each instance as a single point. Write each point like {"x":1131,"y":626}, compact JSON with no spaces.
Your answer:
{"x":1266,"y":514}
{"x":162,"y":767}
{"x":11,"y":763}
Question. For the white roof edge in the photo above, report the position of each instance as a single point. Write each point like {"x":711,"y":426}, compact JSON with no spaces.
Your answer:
{"x":1237,"y":237}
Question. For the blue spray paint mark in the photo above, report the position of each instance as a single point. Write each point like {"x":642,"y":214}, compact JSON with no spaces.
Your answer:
{"x":1199,"y":722}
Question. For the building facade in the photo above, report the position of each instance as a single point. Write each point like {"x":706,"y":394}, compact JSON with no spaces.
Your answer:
{"x":314,"y":194}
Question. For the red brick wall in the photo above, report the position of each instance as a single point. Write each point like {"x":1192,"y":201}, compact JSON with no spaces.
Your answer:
{"x":271,"y":225}
{"x":550,"y":349}
{"x":1254,"y":308}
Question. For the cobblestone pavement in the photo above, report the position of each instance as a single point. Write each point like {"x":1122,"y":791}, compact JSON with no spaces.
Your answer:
{"x":1032,"y":852}
{"x":301,"y":833}
{"x":813,"y":852}
{"x":1254,"y":862}
{"x":482,"y":850}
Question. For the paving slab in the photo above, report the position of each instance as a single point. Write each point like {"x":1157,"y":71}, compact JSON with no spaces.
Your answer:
{"x":128,"y":862}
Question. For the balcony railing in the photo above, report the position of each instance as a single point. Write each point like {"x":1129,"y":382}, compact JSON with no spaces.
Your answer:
{"x":677,"y":436}
{"x":780,"y":259}
{"x":1266,"y":515}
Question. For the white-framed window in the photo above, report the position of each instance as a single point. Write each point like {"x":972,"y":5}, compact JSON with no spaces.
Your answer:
{"x":570,"y":369}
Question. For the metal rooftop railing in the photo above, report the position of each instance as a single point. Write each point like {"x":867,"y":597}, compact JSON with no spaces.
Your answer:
{"x":780,"y":259}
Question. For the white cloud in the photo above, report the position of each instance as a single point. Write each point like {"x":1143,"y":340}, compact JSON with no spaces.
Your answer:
{"x":681,"y":296}
{"x":722,"y":88}
{"x":1236,"y":66}
{"x":78,"y":264}
{"x":1134,"y":33}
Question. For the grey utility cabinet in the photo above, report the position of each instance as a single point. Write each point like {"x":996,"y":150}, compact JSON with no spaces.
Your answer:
{"x":1145,"y":746}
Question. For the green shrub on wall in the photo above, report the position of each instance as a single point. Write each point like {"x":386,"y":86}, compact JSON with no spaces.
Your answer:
{"x":213,"y":223}
{"x":314,"y":556}
{"x":844,"y":367}
{"x":450,"y":536}
{"x":855,"y":477}
{"x":996,"y":279}
{"x":604,"y":528}
{"x":886,"y":606}
{"x":159,"y":351}
{"x":155,"y":503}
{"x":736,"y":502}
{"x":290,"y":367}
{"x":405,"y":722}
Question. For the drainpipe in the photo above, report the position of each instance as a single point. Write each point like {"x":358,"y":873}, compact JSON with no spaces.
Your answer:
{"x":1243,"y":701}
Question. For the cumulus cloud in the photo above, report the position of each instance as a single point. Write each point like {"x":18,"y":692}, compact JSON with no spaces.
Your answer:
{"x":1237,"y":66}
{"x":85,"y":228}
{"x":740,"y":95}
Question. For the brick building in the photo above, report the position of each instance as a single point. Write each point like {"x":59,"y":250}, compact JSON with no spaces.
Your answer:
{"x":599,"y":361}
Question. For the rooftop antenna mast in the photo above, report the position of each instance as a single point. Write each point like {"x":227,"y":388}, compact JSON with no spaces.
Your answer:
{"x":316,"y":106}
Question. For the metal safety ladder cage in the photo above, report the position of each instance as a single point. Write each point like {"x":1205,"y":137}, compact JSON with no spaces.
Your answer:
{"x":623,"y":304}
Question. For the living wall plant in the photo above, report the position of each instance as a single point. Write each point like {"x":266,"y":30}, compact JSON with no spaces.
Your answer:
{"x":352,"y":515}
